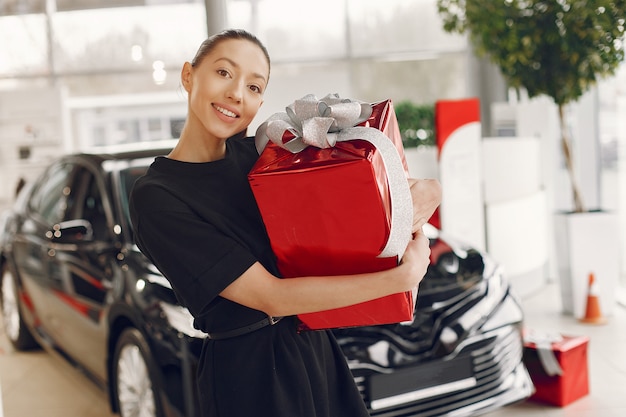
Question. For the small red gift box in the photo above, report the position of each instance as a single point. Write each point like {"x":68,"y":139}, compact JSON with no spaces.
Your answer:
{"x":328,"y":211}
{"x":558,"y":368}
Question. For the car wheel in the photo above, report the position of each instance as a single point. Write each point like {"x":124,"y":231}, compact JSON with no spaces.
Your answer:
{"x":135,"y":387}
{"x":14,"y":326}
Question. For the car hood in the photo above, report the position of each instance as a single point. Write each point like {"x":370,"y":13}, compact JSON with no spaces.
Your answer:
{"x":461,"y":289}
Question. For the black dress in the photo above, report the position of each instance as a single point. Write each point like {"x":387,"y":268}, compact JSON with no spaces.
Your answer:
{"x":200,"y":226}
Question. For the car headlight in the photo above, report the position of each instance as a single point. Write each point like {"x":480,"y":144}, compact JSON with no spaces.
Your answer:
{"x":181,"y":319}
{"x":508,"y":312}
{"x":494,"y":290}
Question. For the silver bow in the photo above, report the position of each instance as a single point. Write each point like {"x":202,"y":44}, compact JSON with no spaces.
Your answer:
{"x":323,"y":123}
{"x":313,"y":122}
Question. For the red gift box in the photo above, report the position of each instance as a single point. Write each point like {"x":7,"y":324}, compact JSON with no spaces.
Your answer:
{"x":559,"y":373}
{"x":328,"y":212}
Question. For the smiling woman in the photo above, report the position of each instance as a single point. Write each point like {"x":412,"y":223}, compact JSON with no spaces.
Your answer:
{"x":196,"y":219}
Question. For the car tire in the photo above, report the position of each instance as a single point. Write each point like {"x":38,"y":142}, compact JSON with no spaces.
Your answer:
{"x":14,"y":327}
{"x":135,"y":387}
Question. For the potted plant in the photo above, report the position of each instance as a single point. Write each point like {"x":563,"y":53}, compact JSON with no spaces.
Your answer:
{"x":557,"y":48}
{"x":416,"y":123}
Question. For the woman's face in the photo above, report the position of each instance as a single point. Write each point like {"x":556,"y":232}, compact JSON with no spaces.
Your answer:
{"x":226,"y":88}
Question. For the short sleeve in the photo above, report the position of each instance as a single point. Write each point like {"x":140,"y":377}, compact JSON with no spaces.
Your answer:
{"x":197,"y":259}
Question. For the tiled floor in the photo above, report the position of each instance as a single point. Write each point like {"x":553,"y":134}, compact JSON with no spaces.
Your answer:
{"x":607,"y":359}
{"x":37,"y":385}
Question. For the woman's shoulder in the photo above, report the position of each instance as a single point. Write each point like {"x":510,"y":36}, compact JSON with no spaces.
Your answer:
{"x":242,"y":143}
{"x":154,"y":173}
{"x":243,"y":150}
{"x":155,"y":182}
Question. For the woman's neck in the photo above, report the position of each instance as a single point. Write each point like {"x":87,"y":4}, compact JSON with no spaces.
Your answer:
{"x":198,"y":148}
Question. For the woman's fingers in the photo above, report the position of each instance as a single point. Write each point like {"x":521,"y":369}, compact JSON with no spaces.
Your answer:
{"x":426,"y":196}
{"x":417,"y":256}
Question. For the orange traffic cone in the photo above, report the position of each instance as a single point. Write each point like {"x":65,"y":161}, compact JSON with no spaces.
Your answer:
{"x":593,"y":315}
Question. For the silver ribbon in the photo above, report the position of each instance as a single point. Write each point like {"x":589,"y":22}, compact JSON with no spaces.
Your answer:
{"x":323,"y":123}
{"x":543,"y":343}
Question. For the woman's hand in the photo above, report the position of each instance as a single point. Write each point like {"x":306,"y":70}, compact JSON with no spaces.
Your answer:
{"x":426,"y":195}
{"x":258,"y":289}
{"x":415,"y":260}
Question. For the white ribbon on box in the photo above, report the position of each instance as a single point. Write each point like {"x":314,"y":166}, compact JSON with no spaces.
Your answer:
{"x":543,"y":343}
{"x":323,"y":123}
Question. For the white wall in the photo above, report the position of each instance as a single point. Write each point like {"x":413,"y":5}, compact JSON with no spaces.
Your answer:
{"x":33,"y":119}
{"x":515,"y":210}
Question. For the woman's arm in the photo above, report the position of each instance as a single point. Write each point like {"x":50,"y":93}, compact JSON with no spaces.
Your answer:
{"x":257,"y":288}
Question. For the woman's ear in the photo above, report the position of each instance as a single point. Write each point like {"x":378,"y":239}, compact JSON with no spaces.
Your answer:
{"x":185,"y":76}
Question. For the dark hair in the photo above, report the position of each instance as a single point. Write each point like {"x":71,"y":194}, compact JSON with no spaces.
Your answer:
{"x":209,"y":44}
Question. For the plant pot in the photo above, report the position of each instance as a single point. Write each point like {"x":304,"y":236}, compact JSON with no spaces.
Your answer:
{"x":587,"y":243}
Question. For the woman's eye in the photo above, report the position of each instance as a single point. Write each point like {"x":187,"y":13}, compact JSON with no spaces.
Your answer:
{"x":223,"y":72}
{"x":255,"y":88}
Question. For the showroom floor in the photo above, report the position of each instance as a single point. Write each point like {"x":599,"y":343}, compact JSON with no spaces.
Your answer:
{"x":34,"y":384}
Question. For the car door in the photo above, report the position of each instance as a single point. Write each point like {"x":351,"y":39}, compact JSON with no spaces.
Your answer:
{"x":46,"y":206}
{"x":82,"y":266}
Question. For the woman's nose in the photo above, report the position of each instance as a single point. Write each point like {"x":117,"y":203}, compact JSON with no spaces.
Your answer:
{"x":236,"y":91}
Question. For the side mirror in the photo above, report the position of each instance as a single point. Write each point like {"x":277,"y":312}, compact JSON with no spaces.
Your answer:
{"x":71,"y":231}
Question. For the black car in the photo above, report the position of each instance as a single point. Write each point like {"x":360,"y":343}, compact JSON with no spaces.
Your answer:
{"x":74,"y":283}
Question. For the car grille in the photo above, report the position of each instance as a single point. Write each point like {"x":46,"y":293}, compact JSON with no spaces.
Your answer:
{"x":494,"y":357}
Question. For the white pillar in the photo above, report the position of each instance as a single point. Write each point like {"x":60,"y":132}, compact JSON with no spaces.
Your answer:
{"x":620,"y":116}
{"x":216,"y":17}
{"x":539,"y":118}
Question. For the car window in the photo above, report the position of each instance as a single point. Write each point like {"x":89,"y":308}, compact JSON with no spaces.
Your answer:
{"x":88,"y":202}
{"x":50,"y":196}
{"x":128,"y":177}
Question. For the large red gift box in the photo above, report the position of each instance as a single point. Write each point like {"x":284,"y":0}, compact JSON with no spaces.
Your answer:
{"x":562,"y":386}
{"x":328,"y":212}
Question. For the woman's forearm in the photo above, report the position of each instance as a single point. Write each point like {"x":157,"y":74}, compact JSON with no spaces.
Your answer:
{"x":260,"y":290}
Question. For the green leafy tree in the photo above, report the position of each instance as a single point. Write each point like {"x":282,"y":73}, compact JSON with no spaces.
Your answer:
{"x":558,"y":48}
{"x":416,"y":123}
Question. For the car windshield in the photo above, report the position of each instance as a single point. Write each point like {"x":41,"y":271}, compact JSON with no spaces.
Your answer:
{"x":128,"y":176}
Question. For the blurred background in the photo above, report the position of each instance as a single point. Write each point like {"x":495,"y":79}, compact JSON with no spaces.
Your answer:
{"x":78,"y":74}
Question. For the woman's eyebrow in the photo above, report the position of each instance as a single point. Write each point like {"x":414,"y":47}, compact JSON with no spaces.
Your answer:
{"x":237,"y":66}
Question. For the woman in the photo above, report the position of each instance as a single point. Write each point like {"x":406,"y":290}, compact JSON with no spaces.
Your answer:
{"x":195,"y":217}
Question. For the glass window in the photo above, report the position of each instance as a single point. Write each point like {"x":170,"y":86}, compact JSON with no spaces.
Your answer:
{"x":62,"y":5}
{"x":154,"y":125}
{"x":90,"y":206}
{"x":128,"y":177}
{"x":409,"y":27}
{"x":176,"y":127}
{"x":50,"y":199}
{"x":412,"y":80}
{"x":99,"y":135}
{"x":294,"y":30}
{"x":22,"y":7}
{"x":127,"y":131}
{"x":612,"y":143}
{"x":131,"y":38}
{"x":24,"y":45}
